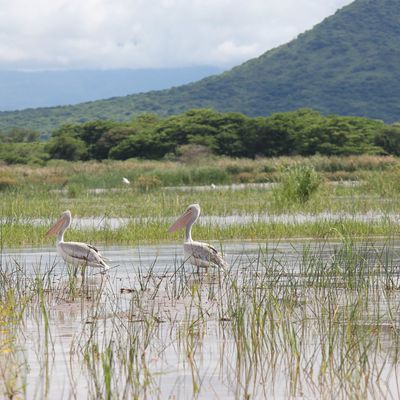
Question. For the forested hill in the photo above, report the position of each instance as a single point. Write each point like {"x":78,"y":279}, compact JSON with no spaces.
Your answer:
{"x":349,"y":64}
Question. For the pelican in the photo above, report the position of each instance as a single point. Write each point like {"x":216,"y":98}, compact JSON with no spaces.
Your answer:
{"x":75,"y":253}
{"x":199,"y":254}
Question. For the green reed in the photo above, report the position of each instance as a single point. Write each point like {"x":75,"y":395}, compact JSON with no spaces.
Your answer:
{"x":319,"y":324}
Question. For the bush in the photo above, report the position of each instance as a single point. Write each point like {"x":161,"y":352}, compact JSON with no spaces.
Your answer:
{"x":67,"y":148}
{"x":298,"y":184}
{"x":75,"y":190}
{"x":193,"y":153}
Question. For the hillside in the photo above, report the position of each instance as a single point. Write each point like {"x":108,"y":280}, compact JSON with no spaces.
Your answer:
{"x":349,"y":64}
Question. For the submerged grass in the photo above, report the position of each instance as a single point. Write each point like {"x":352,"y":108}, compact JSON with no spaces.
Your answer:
{"x":323,"y":326}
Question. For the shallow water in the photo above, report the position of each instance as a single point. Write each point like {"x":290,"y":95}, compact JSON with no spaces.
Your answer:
{"x":138,"y":269}
{"x":244,"y":219}
{"x":166,"y":257}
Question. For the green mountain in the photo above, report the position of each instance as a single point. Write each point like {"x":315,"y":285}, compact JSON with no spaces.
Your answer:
{"x":349,"y":64}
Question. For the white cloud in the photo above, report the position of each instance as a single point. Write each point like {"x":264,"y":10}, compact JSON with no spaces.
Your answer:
{"x":149,"y":33}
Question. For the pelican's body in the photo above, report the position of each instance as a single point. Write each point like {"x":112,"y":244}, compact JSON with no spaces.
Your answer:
{"x":75,"y":253}
{"x":199,"y":254}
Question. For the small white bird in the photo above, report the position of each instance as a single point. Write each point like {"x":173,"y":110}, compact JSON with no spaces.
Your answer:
{"x":75,"y":253}
{"x":126,"y":181}
{"x":198,"y":254}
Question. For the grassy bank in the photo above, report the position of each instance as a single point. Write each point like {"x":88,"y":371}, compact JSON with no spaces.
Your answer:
{"x":34,"y":197}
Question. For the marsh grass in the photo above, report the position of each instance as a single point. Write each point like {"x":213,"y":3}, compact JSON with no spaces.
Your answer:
{"x":108,"y":174}
{"x":96,"y":189}
{"x":27,"y":213}
{"x":297,"y":185}
{"x":320,"y":323}
{"x":135,"y":234}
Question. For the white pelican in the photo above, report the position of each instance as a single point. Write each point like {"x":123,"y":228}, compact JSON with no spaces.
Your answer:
{"x":199,"y":254}
{"x":75,"y":253}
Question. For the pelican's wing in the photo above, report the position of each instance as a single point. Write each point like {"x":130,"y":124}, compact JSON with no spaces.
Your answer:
{"x":204,"y":255}
{"x":82,"y":253}
{"x":97,"y":251}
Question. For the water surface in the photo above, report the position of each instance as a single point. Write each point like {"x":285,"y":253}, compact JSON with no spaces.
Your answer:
{"x":154,"y":281}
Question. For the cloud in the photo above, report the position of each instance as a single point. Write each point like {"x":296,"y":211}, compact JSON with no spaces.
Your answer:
{"x":49,"y":34}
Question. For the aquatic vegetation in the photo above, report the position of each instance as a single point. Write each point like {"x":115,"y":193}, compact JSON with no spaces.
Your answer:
{"x":297,"y":184}
{"x":313,"y":320}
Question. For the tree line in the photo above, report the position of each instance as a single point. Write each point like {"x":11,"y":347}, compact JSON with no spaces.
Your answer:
{"x":302,"y":132}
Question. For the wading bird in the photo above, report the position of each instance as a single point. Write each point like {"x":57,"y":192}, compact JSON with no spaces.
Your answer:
{"x":199,"y":254}
{"x":75,"y":253}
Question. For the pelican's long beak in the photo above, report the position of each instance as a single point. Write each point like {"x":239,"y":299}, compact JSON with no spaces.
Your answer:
{"x":181,"y":222}
{"x":56,"y":227}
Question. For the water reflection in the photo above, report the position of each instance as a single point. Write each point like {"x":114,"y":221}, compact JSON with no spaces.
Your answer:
{"x":151,"y":297}
{"x":169,"y":256}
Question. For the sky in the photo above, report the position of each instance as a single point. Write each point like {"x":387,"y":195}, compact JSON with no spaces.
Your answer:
{"x":113,"y":34}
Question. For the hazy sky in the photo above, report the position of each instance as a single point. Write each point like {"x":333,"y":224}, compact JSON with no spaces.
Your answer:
{"x":52,"y":34}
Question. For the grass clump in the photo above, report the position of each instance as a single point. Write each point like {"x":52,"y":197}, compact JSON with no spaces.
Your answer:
{"x":7,"y":182}
{"x":145,"y":183}
{"x":298,"y":184}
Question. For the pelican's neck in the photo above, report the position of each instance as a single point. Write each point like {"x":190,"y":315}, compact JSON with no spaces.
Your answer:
{"x":66,"y":224}
{"x":60,"y":236}
{"x":188,"y":235}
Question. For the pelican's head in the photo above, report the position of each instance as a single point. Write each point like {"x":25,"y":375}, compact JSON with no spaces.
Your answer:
{"x":62,"y":224}
{"x":190,"y":215}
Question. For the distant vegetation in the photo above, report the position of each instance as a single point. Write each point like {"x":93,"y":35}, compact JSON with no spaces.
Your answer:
{"x":349,"y":64}
{"x":202,"y":132}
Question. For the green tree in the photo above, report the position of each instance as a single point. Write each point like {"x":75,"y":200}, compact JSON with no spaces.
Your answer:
{"x":67,"y":147}
{"x":111,"y":139}
{"x":388,"y":138}
{"x":142,"y":145}
{"x":336,"y":135}
{"x":20,"y":135}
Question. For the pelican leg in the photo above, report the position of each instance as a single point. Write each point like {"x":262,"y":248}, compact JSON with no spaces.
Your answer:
{"x":83,"y":273}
